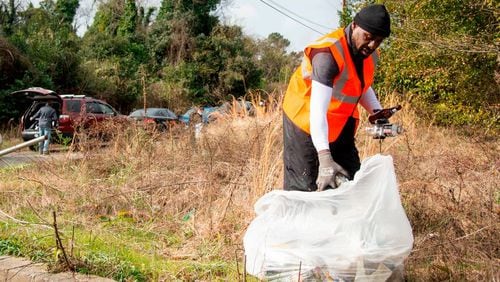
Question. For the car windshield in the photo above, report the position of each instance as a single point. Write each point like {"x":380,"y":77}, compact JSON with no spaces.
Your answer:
{"x":107,"y":109}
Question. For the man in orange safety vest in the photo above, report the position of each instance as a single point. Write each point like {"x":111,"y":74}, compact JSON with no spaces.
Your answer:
{"x":321,"y":103}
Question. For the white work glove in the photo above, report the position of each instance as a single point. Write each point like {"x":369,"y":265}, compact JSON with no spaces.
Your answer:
{"x":328,"y":170}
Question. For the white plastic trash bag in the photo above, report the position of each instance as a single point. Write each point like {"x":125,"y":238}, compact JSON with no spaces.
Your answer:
{"x":358,"y":232}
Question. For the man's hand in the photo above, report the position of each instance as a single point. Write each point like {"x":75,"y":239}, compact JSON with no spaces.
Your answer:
{"x":327,"y":171}
{"x":381,"y":120}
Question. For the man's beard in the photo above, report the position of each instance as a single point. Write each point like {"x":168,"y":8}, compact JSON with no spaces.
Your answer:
{"x":358,"y":53}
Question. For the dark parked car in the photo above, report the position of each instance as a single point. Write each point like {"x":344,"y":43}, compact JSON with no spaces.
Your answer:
{"x":161,"y":118}
{"x":73,"y":111}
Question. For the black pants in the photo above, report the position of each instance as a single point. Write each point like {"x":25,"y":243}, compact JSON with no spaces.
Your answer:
{"x":301,"y":158}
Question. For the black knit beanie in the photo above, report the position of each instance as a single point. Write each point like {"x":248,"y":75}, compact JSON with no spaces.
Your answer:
{"x":375,"y":19}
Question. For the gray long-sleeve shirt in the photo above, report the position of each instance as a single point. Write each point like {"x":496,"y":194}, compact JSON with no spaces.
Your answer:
{"x":46,"y":115}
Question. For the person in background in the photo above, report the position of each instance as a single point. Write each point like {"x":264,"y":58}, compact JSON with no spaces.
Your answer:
{"x":320,"y":105}
{"x":47,"y":117}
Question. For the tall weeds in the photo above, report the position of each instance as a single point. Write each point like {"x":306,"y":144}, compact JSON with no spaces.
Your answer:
{"x":175,"y":197}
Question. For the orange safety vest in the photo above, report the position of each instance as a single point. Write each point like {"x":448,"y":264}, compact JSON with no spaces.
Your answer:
{"x":346,"y":86}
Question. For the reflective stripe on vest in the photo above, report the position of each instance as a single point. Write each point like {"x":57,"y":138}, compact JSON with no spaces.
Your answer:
{"x":344,"y":76}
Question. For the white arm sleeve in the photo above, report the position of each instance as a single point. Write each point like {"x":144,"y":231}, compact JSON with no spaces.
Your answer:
{"x":369,"y":100}
{"x":320,"y":99}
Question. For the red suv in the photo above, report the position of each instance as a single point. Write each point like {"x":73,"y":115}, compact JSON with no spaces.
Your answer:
{"x":73,"y":111}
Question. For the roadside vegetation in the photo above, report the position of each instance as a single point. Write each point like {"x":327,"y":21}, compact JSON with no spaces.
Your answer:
{"x":171,"y":206}
{"x":442,"y":54}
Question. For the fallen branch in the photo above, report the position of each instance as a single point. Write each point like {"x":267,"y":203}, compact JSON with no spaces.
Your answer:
{"x":2,"y":213}
{"x":59,"y":244}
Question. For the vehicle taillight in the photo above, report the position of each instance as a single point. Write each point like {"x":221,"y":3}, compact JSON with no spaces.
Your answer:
{"x":148,"y":120}
{"x":63,"y":119}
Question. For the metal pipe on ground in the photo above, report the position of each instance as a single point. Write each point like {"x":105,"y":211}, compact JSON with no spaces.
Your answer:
{"x":22,"y":145}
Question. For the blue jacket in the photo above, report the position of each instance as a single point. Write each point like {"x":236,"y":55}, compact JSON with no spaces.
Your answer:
{"x":46,"y":115}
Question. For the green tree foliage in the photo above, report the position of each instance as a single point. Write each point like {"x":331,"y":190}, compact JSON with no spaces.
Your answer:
{"x":46,"y":38}
{"x":272,"y":58}
{"x":8,"y":17}
{"x":199,"y":56}
{"x":39,"y":48}
{"x":14,"y":67}
{"x":52,"y":44}
{"x":34,"y":39}
{"x":106,"y":19}
{"x":128,"y":21}
{"x":445,"y":53}
{"x":65,"y":11}
{"x":349,"y":8}
{"x":223,"y":66}
{"x":13,"y":64}
{"x":345,"y":15}
{"x":114,"y":51}
{"x":183,"y":56}
{"x":219,"y":67}
{"x":177,"y":25}
{"x":198,"y":14}
{"x":170,"y":41}
{"x":144,"y":18}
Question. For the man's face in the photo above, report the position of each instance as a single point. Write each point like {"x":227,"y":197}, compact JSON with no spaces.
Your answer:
{"x":364,"y":43}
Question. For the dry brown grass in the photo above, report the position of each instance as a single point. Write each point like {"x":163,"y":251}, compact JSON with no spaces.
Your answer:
{"x":203,"y":190}
{"x":449,"y":187}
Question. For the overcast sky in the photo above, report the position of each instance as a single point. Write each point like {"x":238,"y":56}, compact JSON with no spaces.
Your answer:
{"x":257,"y":18}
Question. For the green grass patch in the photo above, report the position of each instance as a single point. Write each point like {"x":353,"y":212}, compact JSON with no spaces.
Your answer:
{"x":16,"y":240}
{"x":114,"y":249}
{"x":9,"y":247}
{"x":6,"y":171}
